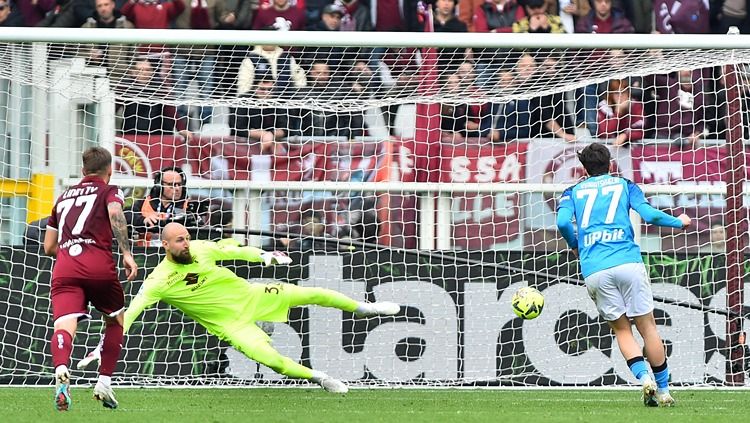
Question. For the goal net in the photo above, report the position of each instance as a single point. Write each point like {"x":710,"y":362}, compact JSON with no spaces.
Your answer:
{"x":423,"y":170}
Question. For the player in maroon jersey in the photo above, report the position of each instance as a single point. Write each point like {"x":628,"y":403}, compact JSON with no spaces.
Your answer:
{"x":79,"y":233}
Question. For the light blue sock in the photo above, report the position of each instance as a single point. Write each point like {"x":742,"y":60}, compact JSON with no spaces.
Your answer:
{"x":661,"y":375}
{"x":638,"y":367}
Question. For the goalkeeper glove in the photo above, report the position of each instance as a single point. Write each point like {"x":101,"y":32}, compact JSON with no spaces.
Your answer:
{"x":275,"y":257}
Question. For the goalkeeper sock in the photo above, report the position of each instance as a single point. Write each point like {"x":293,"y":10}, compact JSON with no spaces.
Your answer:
{"x":661,"y":376}
{"x":320,"y":296}
{"x":364,"y":309}
{"x":111,"y":349}
{"x":317,"y":376}
{"x":62,"y":345}
{"x":638,"y":367}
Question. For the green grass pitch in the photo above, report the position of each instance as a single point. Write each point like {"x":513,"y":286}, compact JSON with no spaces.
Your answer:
{"x":374,"y":405}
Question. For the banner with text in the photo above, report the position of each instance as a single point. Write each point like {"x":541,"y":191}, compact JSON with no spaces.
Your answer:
{"x":479,"y":221}
{"x":484,"y":221}
{"x":556,"y":162}
{"x":456,"y":325}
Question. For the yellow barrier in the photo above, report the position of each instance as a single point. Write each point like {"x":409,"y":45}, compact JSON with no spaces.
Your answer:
{"x":41,"y":196}
{"x":14,"y":188}
{"x":40,"y":191}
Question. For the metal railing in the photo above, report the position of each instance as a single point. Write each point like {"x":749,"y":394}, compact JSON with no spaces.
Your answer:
{"x":434,"y":207}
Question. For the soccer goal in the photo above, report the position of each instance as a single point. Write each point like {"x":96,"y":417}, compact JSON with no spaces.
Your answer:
{"x":416,"y":168}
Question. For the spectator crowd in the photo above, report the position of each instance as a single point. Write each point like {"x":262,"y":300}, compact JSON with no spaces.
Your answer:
{"x":686,"y":106}
{"x":682,"y":106}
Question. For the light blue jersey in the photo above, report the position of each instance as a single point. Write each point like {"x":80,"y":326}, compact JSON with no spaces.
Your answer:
{"x":601,"y":207}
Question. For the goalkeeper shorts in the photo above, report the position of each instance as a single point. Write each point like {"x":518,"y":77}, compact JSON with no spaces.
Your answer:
{"x":269,"y":302}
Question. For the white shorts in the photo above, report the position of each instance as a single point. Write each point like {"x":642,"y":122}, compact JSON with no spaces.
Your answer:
{"x":623,"y":289}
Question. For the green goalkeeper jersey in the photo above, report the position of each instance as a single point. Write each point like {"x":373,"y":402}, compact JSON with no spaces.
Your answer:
{"x":210,"y":294}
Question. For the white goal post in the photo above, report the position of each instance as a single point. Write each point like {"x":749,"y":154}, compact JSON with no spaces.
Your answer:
{"x":421,"y":168}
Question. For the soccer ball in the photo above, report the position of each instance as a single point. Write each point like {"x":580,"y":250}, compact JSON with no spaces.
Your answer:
{"x":527,"y":303}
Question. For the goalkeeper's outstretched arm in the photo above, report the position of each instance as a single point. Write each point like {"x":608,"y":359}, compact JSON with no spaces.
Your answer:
{"x":230,"y":249}
{"x":144,"y":299}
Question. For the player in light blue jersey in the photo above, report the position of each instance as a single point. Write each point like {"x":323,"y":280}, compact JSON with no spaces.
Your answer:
{"x":611,"y":262}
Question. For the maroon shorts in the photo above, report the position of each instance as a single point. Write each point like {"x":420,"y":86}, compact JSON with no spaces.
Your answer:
{"x":70,"y":296}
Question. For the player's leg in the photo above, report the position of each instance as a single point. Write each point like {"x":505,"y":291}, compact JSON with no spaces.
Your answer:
{"x":657,"y":357}
{"x":603,"y":288}
{"x":254,"y":343}
{"x":639,"y":300}
{"x":68,"y":306}
{"x":629,"y":347}
{"x":62,"y":346}
{"x":92,"y":357}
{"x":108,"y":297}
{"x":111,"y":346}
{"x":299,"y":296}
{"x":631,"y":352}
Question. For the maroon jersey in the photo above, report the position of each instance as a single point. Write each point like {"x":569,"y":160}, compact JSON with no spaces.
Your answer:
{"x":84,"y":234}
{"x":267,"y":17}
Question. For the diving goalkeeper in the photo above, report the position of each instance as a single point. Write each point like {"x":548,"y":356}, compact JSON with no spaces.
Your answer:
{"x":229,"y":306}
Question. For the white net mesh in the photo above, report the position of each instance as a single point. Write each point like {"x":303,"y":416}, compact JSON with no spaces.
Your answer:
{"x":425,"y":176}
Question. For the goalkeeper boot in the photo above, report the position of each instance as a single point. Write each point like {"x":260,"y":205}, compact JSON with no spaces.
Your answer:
{"x":62,"y":388}
{"x":334,"y":385}
{"x":379,"y":308}
{"x":664,"y":399}
{"x":93,"y":357}
{"x":649,"y":392}
{"x":105,"y":394}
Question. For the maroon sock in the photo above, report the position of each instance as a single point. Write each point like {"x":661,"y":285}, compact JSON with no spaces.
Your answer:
{"x":111,"y":349}
{"x":62,"y":345}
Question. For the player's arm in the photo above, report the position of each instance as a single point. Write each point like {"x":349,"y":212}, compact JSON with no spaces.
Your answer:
{"x":657,"y":217}
{"x":50,"y":242}
{"x":652,"y":215}
{"x":565,"y":225}
{"x":120,"y":231}
{"x":565,"y":212}
{"x":145,"y":298}
{"x":230,"y":249}
{"x":50,"y":235}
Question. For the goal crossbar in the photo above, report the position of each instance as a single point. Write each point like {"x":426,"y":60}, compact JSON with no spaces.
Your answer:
{"x":383,"y":39}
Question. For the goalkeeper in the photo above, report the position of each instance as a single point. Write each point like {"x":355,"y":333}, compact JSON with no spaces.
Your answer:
{"x":228,"y":306}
